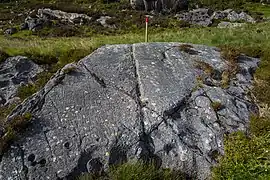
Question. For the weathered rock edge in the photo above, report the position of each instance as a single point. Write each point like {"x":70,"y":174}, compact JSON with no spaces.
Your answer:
{"x":125,"y":102}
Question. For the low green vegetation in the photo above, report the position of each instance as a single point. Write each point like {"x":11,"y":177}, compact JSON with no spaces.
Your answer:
{"x":4,"y":112}
{"x":246,"y":157}
{"x":16,"y":125}
{"x":137,"y":171}
{"x":216,"y":105}
{"x":258,"y":8}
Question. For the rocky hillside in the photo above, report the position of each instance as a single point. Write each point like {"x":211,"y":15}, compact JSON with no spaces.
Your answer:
{"x":160,"y":102}
{"x":72,"y":106}
{"x":57,"y":19}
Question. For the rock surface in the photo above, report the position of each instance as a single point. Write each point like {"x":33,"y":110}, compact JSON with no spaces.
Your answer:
{"x":197,"y":16}
{"x":14,"y":72}
{"x":123,"y":102}
{"x":102,"y":20}
{"x":160,"y":5}
{"x":34,"y":24}
{"x":205,"y":17}
{"x":57,"y":14}
{"x":10,"y":31}
{"x":46,"y":16}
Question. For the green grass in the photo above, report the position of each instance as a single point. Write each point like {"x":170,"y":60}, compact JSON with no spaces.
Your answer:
{"x":259,"y":8}
{"x":246,"y":157}
{"x":251,"y":36}
{"x":136,"y":171}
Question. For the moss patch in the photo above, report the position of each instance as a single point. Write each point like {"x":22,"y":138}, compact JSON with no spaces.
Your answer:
{"x":216,"y":105}
{"x":137,"y":171}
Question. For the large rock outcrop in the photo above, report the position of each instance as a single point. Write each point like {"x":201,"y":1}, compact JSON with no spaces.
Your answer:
{"x":123,"y":102}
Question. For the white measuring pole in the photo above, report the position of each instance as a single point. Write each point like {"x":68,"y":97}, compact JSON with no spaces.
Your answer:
{"x":146,"y":29}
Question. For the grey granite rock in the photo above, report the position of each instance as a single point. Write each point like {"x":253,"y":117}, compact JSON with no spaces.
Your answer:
{"x":200,"y":16}
{"x":61,"y":15}
{"x":33,"y":24}
{"x":14,"y":72}
{"x":130,"y":102}
{"x":102,"y":20}
{"x":205,"y":17}
{"x":10,"y":31}
{"x":234,"y":16}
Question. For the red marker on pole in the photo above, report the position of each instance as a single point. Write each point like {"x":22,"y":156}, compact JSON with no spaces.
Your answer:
{"x":146,"y":29}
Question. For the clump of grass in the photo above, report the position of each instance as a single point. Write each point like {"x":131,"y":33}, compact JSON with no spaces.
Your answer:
{"x":225,"y":79}
{"x":199,"y":83}
{"x":137,"y":171}
{"x":230,"y":55}
{"x":259,"y":126}
{"x":4,"y":112}
{"x":25,"y":91}
{"x":12,"y":128}
{"x":3,"y":55}
{"x":187,"y":48}
{"x":216,"y":105}
{"x":207,"y":69}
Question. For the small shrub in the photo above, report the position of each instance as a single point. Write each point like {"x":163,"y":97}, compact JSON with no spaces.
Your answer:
{"x":6,"y":139}
{"x":230,"y":55}
{"x":19,"y":123}
{"x":25,"y":91}
{"x":225,"y":79}
{"x":259,"y":126}
{"x":41,"y":59}
{"x":4,"y":112}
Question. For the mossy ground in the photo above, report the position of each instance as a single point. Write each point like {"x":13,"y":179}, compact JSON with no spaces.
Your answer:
{"x":246,"y":155}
